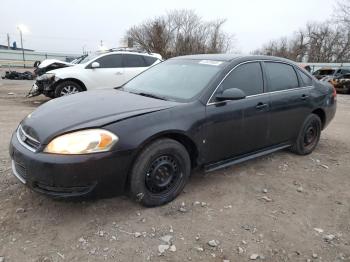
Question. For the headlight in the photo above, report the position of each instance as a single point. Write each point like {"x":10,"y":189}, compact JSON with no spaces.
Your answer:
{"x":82,"y":142}
{"x":46,"y":76}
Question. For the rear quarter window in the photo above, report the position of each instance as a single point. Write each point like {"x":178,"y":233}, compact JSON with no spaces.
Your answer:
{"x":149,"y":60}
{"x":306,"y":80}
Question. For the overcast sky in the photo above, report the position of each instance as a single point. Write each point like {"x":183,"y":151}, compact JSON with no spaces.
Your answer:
{"x":68,"y":25}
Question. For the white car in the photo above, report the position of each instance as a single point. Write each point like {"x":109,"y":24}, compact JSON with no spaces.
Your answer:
{"x":108,"y":70}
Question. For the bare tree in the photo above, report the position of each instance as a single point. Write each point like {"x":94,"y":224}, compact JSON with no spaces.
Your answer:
{"x":327,"y":41}
{"x":181,"y":32}
{"x":317,"y":42}
{"x":342,"y":12}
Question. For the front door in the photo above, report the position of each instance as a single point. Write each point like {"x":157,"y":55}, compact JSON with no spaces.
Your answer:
{"x":238,"y":127}
{"x":110,"y":73}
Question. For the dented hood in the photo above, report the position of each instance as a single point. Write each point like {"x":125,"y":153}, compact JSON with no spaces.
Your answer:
{"x":87,"y":110}
{"x":48,"y":62}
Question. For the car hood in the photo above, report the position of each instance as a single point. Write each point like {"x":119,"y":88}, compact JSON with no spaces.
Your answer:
{"x":88,"y":110}
{"x":48,"y":62}
{"x":67,"y":70}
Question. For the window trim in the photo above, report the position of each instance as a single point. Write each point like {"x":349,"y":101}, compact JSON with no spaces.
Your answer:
{"x":265,"y":91}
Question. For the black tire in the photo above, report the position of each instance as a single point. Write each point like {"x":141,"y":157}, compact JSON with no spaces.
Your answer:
{"x":160,"y":172}
{"x":62,"y":89}
{"x":309,"y":136}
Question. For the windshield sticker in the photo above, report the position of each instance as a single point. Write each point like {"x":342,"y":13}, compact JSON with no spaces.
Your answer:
{"x":210,"y":62}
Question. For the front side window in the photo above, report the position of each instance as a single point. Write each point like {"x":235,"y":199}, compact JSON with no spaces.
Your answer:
{"x":179,"y":80}
{"x":133,"y":61}
{"x":247,"y":77}
{"x":110,"y":61}
{"x":280,"y":76}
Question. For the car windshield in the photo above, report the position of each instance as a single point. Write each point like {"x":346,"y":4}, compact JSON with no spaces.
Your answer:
{"x":88,"y":58}
{"x":79,"y":59}
{"x":179,"y":80}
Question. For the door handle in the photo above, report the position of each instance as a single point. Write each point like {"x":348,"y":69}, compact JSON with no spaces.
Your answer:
{"x":119,"y":73}
{"x":304,"y":97}
{"x":261,"y":105}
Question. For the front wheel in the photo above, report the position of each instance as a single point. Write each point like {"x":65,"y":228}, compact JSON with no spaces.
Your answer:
{"x":309,"y":136}
{"x":160,"y":172}
{"x":66,"y":88}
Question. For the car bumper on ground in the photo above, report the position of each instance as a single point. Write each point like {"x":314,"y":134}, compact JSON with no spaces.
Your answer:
{"x":65,"y":176}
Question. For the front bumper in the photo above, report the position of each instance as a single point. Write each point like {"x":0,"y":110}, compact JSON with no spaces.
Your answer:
{"x":65,"y":176}
{"x":46,"y":87}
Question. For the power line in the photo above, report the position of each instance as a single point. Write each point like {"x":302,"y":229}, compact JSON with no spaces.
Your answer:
{"x":52,"y":37}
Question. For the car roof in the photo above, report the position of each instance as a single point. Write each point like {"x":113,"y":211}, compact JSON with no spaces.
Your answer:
{"x":231,"y":57}
{"x":129,"y":52}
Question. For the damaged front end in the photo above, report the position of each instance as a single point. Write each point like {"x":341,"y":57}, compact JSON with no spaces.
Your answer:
{"x":44,"y":84}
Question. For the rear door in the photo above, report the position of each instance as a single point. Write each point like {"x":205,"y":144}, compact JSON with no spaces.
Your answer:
{"x":289,"y":101}
{"x":110,"y":73}
{"x":240,"y":126}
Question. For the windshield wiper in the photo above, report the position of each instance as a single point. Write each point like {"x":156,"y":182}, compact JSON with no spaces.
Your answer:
{"x":151,"y":95}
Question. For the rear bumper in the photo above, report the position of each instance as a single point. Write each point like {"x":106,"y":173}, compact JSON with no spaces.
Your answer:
{"x":65,"y":176}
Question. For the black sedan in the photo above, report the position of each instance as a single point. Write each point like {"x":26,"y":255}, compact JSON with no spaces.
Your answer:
{"x":207,"y":111}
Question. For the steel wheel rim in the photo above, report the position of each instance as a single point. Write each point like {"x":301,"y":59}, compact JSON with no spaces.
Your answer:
{"x":69,"y":90}
{"x":163,"y":174}
{"x":311,"y":134}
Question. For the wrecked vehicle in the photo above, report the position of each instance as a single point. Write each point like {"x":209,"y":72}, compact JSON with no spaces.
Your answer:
{"x":341,"y":83}
{"x":107,"y":70}
{"x":144,"y":138}
{"x":324,"y":72}
{"x":14,"y":75}
{"x":52,"y":64}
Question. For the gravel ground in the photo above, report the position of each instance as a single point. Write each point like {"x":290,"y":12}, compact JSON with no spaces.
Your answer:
{"x":281,"y":207}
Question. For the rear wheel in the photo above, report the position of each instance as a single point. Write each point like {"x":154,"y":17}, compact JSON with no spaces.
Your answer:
{"x":67,"y":88}
{"x":309,"y":136}
{"x":160,"y":172}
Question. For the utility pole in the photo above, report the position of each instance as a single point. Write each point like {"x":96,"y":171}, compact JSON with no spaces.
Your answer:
{"x":8,"y":41}
{"x":24,"y":61}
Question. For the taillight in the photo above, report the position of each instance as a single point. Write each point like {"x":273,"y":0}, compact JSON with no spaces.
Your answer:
{"x":334,"y":94}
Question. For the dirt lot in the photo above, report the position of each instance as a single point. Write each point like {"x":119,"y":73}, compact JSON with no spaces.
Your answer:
{"x":281,"y":207}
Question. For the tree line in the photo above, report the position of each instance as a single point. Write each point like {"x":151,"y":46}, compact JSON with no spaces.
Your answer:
{"x":327,"y":41}
{"x":181,"y":32}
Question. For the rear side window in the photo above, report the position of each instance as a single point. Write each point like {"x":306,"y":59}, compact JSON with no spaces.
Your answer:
{"x":247,"y":77}
{"x":307,"y":81}
{"x":110,"y":61}
{"x":281,"y":76}
{"x":149,"y":60}
{"x":133,"y":61}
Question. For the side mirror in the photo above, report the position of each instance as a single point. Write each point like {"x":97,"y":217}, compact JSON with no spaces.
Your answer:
{"x":95,"y":65}
{"x":231,"y":94}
